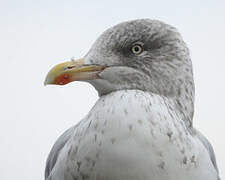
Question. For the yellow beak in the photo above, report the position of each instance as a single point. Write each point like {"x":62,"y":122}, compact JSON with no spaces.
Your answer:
{"x":69,"y":71}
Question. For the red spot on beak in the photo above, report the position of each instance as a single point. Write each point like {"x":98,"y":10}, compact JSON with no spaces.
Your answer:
{"x":63,"y":79}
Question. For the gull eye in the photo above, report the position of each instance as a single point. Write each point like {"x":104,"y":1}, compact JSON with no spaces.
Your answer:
{"x":137,"y":49}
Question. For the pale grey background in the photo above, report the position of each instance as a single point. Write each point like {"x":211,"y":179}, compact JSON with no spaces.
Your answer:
{"x":34,"y":35}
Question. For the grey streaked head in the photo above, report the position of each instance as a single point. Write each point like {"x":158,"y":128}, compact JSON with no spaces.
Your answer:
{"x":160,"y":64}
{"x":144,"y":54}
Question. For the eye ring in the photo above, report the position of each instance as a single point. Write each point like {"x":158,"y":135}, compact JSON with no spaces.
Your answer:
{"x":137,"y":49}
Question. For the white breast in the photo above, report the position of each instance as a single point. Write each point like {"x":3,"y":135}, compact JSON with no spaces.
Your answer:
{"x":130,"y":135}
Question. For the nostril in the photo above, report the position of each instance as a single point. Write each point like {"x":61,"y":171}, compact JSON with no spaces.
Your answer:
{"x":70,"y":67}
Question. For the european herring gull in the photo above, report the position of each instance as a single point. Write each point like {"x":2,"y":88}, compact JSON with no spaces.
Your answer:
{"x":141,"y":126}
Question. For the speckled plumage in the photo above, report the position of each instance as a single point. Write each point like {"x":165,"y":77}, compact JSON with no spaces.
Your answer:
{"x":141,"y":126}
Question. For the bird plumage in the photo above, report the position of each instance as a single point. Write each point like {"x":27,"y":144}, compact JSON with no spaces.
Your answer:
{"x":130,"y":135}
{"x":141,"y":127}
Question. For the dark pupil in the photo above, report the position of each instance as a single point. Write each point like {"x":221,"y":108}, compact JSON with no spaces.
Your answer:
{"x":136,"y":49}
